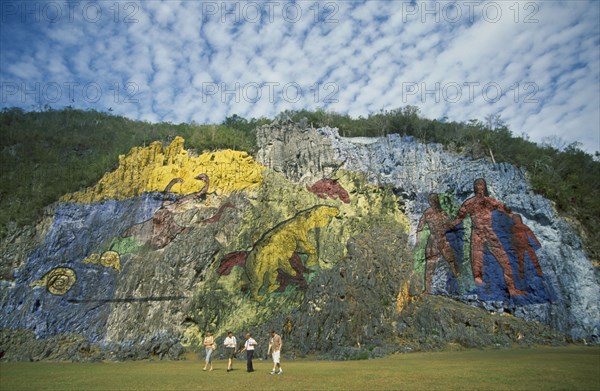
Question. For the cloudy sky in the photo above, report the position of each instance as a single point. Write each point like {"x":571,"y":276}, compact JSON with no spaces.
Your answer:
{"x":535,"y":63}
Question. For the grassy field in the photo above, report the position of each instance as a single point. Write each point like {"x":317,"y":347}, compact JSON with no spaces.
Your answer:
{"x":542,"y":368}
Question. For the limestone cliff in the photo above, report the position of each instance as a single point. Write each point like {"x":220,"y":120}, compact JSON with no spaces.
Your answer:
{"x":315,"y":237}
{"x":566,"y":295}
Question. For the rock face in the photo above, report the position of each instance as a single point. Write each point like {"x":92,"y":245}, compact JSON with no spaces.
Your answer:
{"x":315,"y":238}
{"x":108,"y":269}
{"x":354,"y":304}
{"x":566,"y":295}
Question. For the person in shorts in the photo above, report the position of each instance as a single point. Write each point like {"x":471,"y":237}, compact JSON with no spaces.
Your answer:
{"x":275,"y":349}
{"x":231,"y":348}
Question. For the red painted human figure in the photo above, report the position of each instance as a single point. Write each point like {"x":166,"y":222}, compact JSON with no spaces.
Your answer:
{"x":437,"y":245}
{"x":480,"y":208}
{"x":520,"y":244}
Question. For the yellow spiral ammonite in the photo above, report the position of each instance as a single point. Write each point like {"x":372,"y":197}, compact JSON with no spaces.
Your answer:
{"x":110,"y":259}
{"x":93,"y":258}
{"x":58,"y":281}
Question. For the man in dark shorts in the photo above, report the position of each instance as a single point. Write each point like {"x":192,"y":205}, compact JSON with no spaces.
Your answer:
{"x":230,"y":347}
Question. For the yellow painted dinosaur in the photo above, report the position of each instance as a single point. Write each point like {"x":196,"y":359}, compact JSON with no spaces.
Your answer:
{"x":272,"y":252}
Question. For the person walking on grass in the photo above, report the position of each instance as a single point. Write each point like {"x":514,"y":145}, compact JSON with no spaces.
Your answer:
{"x":249,"y":348}
{"x":230,"y":347}
{"x":275,"y":349}
{"x":209,"y":346}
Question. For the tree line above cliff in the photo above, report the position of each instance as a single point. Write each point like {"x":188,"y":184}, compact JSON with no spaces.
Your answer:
{"x":46,"y":154}
{"x":561,"y":172}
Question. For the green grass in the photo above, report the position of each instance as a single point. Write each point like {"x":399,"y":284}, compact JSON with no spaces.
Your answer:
{"x":540,"y":368}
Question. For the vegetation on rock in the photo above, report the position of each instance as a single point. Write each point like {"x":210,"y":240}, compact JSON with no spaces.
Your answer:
{"x":328,"y":265}
{"x":47,"y":154}
{"x":562,"y":173}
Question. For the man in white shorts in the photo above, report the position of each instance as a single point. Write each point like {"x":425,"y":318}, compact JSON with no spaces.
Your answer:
{"x":275,"y":350}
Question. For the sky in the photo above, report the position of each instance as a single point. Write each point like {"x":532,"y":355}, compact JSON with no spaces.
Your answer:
{"x":534,"y":63}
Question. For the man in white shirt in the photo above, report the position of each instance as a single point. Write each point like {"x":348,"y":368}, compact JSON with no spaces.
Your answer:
{"x":230,"y":347}
{"x":249,"y":348}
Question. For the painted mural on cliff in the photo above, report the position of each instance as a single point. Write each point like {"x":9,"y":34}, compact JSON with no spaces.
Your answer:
{"x":479,"y":248}
{"x":171,"y":244}
{"x":284,"y":255}
{"x":155,"y":195}
{"x":227,"y":242}
{"x":271,"y":238}
{"x":60,"y":287}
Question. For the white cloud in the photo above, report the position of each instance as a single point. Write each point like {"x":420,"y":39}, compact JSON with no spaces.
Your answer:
{"x":544,"y":57}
